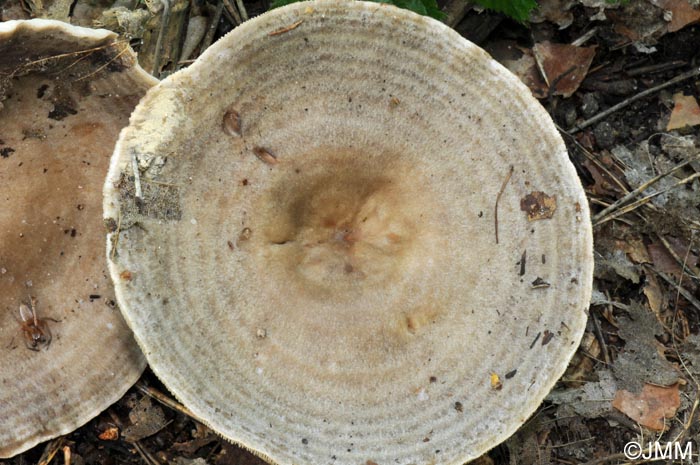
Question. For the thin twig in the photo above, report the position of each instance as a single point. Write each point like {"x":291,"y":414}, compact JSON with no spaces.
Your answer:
{"x":610,"y":315}
{"x":592,"y":357}
{"x":104,"y":65}
{"x":627,"y":209}
{"x":681,"y":290}
{"x":556,"y":446}
{"x":605,"y":204}
{"x":584,"y":38}
{"x":165,"y":400}
{"x":598,"y":201}
{"x":682,"y":262}
{"x":63,"y":55}
{"x":612,"y":303}
{"x":75,"y":62}
{"x":498,"y":198}
{"x":686,"y":426}
{"x":656,"y":68}
{"x":599,"y":336}
{"x":51,"y":450}
{"x":231,"y":20}
{"x":553,"y":87}
{"x":233,"y":12}
{"x":629,"y":196}
{"x":634,"y":98}
{"x":145,"y":455}
{"x":209,"y":37}
{"x":164,"y":21}
{"x":540,"y":68}
{"x":593,"y":159}
{"x":638,"y":203}
{"x":242,"y":10}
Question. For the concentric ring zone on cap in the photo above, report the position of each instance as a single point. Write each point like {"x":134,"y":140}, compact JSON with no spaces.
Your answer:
{"x":309,"y":254}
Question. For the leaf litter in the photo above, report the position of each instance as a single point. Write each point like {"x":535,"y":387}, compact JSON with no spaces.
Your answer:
{"x":641,"y":360}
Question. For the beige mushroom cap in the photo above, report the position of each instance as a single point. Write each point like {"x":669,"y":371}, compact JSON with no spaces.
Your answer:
{"x":313,"y":265}
{"x":58,"y":124}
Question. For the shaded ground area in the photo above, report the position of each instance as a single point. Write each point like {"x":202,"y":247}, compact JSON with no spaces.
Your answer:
{"x":635,"y":375}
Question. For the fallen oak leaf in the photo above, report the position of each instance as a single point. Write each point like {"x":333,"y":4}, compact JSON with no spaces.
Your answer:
{"x":650,"y":407}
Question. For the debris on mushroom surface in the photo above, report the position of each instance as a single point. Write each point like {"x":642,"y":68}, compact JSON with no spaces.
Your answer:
{"x":37,"y":334}
{"x":65,"y":352}
{"x":365,"y":251}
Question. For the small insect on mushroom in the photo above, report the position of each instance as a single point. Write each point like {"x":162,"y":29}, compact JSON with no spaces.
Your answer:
{"x":36,"y":331}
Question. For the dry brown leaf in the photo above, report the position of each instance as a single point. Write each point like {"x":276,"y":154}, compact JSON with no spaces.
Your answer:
{"x":634,"y":248}
{"x":682,"y":13}
{"x":686,"y":112}
{"x":146,"y":419}
{"x":665,"y":262}
{"x":603,"y":185}
{"x":586,"y":139}
{"x":654,"y":293}
{"x":650,"y":407}
{"x":581,"y":366}
{"x":565,"y":66}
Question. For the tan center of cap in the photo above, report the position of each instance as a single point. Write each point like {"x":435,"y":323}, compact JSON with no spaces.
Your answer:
{"x":344,"y":233}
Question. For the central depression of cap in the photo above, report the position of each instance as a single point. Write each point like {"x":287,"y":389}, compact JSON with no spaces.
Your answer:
{"x":351,"y":238}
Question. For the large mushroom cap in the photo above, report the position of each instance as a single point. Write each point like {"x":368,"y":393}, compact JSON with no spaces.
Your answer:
{"x":311,"y":264}
{"x":66,"y":93}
